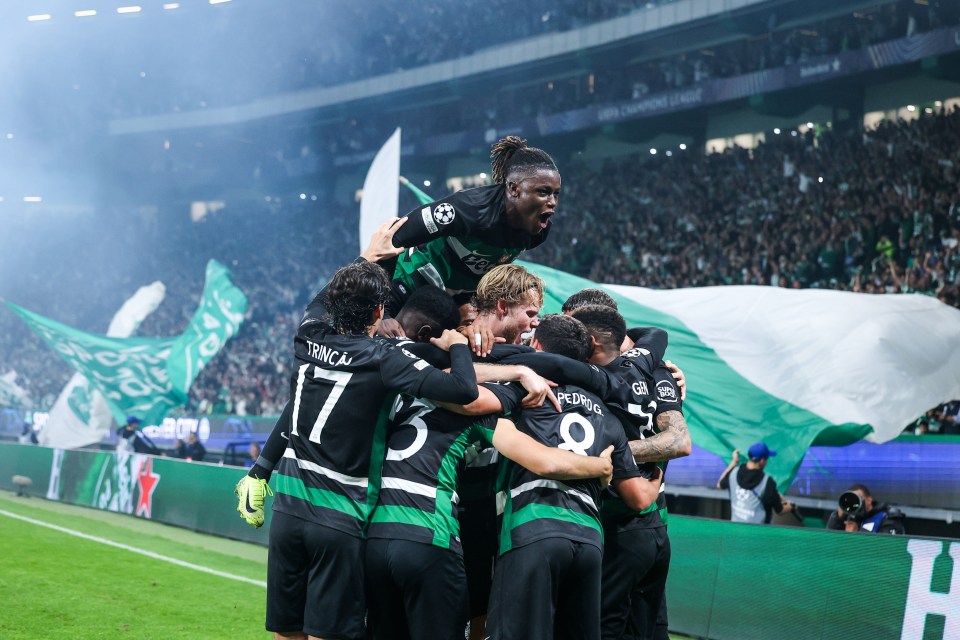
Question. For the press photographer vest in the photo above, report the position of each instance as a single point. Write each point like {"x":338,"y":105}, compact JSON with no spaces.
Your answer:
{"x":745,"y":504}
{"x":873,"y":522}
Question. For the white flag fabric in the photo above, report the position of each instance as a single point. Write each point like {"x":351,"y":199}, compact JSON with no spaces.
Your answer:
{"x":848,"y":357}
{"x":381,"y":189}
{"x":792,"y":367}
{"x":12,"y":394}
{"x":80,"y":416}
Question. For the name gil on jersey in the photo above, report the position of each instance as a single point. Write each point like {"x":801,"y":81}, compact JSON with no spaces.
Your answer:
{"x":327,"y":355}
{"x":579,"y":398}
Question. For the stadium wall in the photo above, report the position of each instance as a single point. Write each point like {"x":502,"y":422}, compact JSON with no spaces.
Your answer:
{"x":731,"y":580}
{"x":194,"y":495}
{"x":727,"y":580}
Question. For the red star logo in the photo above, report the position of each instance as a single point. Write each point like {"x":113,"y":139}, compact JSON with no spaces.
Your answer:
{"x":148,"y":481}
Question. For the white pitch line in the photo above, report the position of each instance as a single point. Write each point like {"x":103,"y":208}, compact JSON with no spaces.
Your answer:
{"x":143,"y":552}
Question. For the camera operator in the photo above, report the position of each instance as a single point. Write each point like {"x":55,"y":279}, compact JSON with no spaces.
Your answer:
{"x":753,"y":494}
{"x":858,"y":511}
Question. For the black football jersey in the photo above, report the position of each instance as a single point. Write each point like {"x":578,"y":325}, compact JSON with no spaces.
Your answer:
{"x":342,"y":389}
{"x":533,"y":507}
{"x":427,"y":451}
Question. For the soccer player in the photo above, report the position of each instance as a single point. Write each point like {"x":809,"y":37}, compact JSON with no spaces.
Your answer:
{"x":416,"y":580}
{"x":637,"y":552}
{"x":327,"y":481}
{"x":546,"y":582}
{"x":425,"y":316}
{"x":454,"y":241}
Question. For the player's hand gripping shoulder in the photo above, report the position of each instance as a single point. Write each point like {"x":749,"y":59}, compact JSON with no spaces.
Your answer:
{"x":381,"y":243}
{"x":448,"y":339}
{"x":538,"y":390}
{"x":678,"y":376}
{"x":481,"y":339}
{"x":390,"y":328}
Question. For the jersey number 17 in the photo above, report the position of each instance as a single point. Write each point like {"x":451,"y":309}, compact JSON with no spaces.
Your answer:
{"x":339,"y":380}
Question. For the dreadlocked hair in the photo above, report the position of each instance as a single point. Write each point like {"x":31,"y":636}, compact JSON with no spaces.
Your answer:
{"x":354,"y":293}
{"x":510,"y":283}
{"x":512,"y":153}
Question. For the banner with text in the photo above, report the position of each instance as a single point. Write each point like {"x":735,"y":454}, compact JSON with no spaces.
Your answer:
{"x":148,"y":376}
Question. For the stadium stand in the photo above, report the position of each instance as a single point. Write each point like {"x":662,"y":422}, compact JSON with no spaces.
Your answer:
{"x":893,"y":181}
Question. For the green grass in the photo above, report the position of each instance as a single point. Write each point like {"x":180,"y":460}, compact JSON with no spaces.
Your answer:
{"x":55,"y":583}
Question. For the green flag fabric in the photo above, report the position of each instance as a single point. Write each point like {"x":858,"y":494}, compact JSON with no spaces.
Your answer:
{"x":421,"y":196}
{"x":148,"y":376}
{"x":793,"y":368}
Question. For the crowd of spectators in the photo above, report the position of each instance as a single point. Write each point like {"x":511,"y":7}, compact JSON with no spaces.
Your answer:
{"x":279,"y":253}
{"x":877,"y":212}
{"x":605,"y":84}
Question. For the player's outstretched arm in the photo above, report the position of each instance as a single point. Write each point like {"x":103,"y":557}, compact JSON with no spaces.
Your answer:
{"x":538,"y":388}
{"x":672,"y":441}
{"x":460,"y":385}
{"x":486,"y":403}
{"x":638,"y":493}
{"x":548,"y":462}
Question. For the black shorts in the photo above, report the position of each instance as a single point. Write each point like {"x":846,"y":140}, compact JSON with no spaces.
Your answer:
{"x":415,"y":591}
{"x":478,"y":537}
{"x":635,"y":567}
{"x":546,"y":590}
{"x":314,"y":580}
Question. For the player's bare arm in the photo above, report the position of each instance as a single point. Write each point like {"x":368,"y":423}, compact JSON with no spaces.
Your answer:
{"x":672,"y":441}
{"x":549,"y":462}
{"x":638,"y":493}
{"x":538,"y":389}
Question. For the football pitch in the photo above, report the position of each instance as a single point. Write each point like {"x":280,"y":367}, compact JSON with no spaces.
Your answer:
{"x":82,"y":573}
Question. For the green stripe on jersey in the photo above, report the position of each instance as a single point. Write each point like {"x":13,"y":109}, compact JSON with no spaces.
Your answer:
{"x":295,"y":488}
{"x":377,"y":454}
{"x":446,"y":524}
{"x":386,"y":513}
{"x":535,"y":511}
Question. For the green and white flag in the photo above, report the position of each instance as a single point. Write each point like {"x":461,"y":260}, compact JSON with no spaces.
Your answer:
{"x":149,"y":376}
{"x":217,"y":319}
{"x":794,"y":368}
{"x":12,"y":394}
{"x":80,"y":416}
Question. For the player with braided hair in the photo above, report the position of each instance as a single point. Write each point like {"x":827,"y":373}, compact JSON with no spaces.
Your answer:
{"x":454,"y":241}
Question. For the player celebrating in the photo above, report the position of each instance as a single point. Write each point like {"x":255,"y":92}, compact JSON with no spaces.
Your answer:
{"x":454,"y":241}
{"x":637,"y":554}
{"x":416,"y":580}
{"x":546,"y":582}
{"x":327,"y":480}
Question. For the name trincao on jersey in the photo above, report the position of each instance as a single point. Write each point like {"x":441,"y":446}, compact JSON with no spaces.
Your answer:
{"x":327,"y":355}
{"x":579,"y":398}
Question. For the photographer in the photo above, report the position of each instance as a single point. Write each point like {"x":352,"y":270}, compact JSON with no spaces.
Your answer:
{"x":753,"y":494}
{"x":859,"y":512}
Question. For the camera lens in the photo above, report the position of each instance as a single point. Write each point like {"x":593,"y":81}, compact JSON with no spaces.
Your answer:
{"x":849,"y":501}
